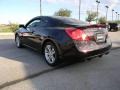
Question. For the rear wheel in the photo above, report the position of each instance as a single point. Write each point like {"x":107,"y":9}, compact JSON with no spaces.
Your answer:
{"x":18,"y":41}
{"x":51,"y":54}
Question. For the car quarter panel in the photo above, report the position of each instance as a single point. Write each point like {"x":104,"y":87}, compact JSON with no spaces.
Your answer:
{"x":58,"y":36}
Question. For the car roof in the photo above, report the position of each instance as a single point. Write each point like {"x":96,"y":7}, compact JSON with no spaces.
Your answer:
{"x":53,"y":17}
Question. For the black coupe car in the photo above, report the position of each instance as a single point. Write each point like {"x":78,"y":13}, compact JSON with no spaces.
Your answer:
{"x":57,"y":37}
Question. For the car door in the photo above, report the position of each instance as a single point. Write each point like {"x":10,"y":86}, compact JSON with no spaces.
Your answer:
{"x":38,"y":33}
{"x":25,"y":35}
{"x":34,"y":38}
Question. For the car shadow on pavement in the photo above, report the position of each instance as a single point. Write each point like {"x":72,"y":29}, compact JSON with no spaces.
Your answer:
{"x":9,"y":50}
{"x":25,"y":63}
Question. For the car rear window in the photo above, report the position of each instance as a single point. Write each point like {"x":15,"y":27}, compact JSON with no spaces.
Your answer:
{"x":72,"y":21}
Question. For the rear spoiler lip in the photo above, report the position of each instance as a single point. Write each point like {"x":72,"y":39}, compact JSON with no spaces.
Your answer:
{"x":92,"y":26}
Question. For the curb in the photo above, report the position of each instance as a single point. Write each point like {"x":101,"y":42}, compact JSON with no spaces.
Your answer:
{"x":115,"y":48}
{"x":6,"y":33}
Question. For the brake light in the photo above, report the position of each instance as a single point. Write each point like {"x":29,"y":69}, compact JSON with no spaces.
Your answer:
{"x":77,"y":34}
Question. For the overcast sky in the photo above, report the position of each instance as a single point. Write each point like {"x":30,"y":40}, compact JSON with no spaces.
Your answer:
{"x":20,"y":11}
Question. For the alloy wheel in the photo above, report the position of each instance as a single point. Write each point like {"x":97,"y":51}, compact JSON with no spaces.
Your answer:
{"x":50,"y":54}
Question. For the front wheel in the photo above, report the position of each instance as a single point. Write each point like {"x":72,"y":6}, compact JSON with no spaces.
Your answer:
{"x":51,"y":54}
{"x":18,"y":41}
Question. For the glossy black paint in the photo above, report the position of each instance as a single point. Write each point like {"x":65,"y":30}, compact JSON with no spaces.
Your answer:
{"x":52,"y":29}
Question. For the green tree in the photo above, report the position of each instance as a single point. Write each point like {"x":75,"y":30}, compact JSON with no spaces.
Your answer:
{"x":91,"y":16}
{"x":102,"y":20}
{"x":63,"y":12}
{"x":118,"y":21}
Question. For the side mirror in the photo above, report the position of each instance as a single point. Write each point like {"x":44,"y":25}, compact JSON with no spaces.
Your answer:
{"x":21,"y":26}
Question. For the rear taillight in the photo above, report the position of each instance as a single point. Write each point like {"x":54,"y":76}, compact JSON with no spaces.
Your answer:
{"x":77,"y":34}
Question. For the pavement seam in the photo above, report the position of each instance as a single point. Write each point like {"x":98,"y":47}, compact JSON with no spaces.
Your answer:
{"x":37,"y":74}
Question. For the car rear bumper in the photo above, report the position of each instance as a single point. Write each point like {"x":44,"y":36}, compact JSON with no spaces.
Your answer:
{"x":96,"y":53}
{"x":89,"y":54}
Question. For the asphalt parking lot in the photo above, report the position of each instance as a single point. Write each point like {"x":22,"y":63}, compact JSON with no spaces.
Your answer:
{"x":24,"y":69}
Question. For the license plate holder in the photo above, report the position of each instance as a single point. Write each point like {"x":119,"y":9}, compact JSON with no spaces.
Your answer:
{"x":100,"y":38}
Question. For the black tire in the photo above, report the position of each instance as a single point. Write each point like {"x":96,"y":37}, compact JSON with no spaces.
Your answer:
{"x":49,"y":56}
{"x":18,"y":41}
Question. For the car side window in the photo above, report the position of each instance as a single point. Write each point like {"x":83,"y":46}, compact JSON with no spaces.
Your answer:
{"x":44,"y":23}
{"x":33,"y":24}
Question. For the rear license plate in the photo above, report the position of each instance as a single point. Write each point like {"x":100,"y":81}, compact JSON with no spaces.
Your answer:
{"x":100,"y":38}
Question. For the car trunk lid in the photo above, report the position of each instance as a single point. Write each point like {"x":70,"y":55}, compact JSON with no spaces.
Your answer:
{"x":93,"y":37}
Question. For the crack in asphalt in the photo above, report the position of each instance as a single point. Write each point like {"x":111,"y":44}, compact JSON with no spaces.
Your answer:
{"x":40,"y":73}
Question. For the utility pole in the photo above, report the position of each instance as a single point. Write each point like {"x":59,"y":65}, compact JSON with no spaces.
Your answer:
{"x":98,"y":2}
{"x":112,"y":13}
{"x":79,"y":8}
{"x":116,"y":15}
{"x":40,"y":7}
{"x":106,"y":12}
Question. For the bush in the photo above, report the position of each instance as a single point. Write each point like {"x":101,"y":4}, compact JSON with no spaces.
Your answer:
{"x":102,"y":20}
{"x":13,"y":26}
